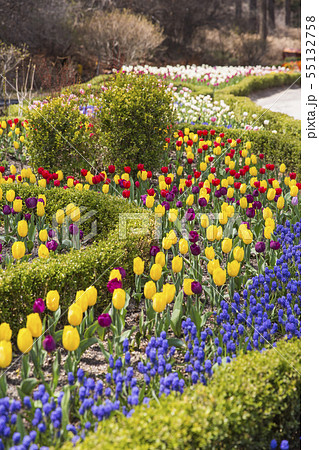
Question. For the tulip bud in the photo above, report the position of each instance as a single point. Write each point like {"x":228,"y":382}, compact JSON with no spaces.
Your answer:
{"x":156,"y":272}
{"x":227,"y":245}
{"x":17,"y":205}
{"x":5,"y":354}
{"x":52,"y":300}
{"x":70,"y":338}
{"x":75,"y":315}
{"x":40,"y":209}
{"x":22,"y":228}
{"x":187,"y":286}
{"x":149,"y":289}
{"x":159,"y":302}
{"x":280,"y":203}
{"x":81,"y":299}
{"x":177,"y":264}
{"x":5,"y":332}
{"x":169,"y":291}
{"x":212,"y":265}
{"x":204,"y":221}
{"x":43,"y":235}
{"x":238,"y":253}
{"x":10,"y":195}
{"x":91,"y":294}
{"x":160,"y":259}
{"x":34,"y":324}
{"x":59,"y":216}
{"x":209,"y":253}
{"x":233,"y":268}
{"x":18,"y":249}
{"x":43,"y":251}
{"x":24,"y":340}
{"x":138,"y":266}
{"x":183,"y":246}
{"x":219,"y":276}
{"x":118,"y":298}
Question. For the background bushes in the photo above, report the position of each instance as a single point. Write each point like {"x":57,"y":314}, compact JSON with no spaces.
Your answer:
{"x":60,"y":137}
{"x":248,"y":403}
{"x":136,"y":111}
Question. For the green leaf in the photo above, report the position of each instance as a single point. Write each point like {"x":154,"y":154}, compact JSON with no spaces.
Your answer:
{"x":175,"y":342}
{"x":28,"y":385}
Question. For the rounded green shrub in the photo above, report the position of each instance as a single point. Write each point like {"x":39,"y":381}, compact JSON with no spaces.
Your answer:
{"x":60,"y":137}
{"x":135,"y":117}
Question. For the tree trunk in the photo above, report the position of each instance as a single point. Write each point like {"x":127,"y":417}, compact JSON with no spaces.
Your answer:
{"x":271,"y":13}
{"x":288,"y":5}
{"x":264,"y":28}
{"x":238,"y":9}
{"x":253,"y":17}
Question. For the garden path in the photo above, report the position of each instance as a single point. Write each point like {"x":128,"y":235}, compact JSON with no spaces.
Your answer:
{"x":287,"y":101}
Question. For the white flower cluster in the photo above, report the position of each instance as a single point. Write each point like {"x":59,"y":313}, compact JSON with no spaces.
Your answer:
{"x":212,"y":76}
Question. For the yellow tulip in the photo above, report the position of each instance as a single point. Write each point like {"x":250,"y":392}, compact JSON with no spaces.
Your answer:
{"x":233,"y":268}
{"x":81,"y":299}
{"x":230,"y":211}
{"x":248,"y":146}
{"x":223,"y":218}
{"x":115,"y":273}
{"x":149,"y":201}
{"x":209,"y":253}
{"x":211,"y":232}
{"x":267,"y":213}
{"x":172,"y":215}
{"x":190,"y":200}
{"x":280,"y":202}
{"x":22,"y":229}
{"x":230,"y":192}
{"x":160,"y":210}
{"x":238,"y":253}
{"x":243,"y":188}
{"x":247,"y":237}
{"x":282,"y":168}
{"x":138,"y":266}
{"x":271,"y":193}
{"x":156,"y":272}
{"x":59,"y":216}
{"x":91,"y":293}
{"x":75,"y":215}
{"x":5,"y":354}
{"x":17,"y":205}
{"x":177,"y":264}
{"x":42,"y":183}
{"x":34,"y":324}
{"x":294,"y":191}
{"x":70,"y":182}
{"x":160,"y":259}
{"x":166,"y":243}
{"x":169,"y":291}
{"x":159,"y":302}
{"x":270,"y":223}
{"x":204,"y":221}
{"x":118,"y":298}
{"x":5,"y":332}
{"x":75,"y":315}
{"x":180,"y":171}
{"x":213,"y":265}
{"x":52,"y":300}
{"x":227,"y":245}
{"x":187,"y":286}
{"x":40,"y":209}
{"x":60,"y":175}
{"x":149,"y":289}
{"x":24,"y":340}
{"x":70,"y":207}
{"x":243,"y":202}
{"x":79,"y":187}
{"x":70,"y":338}
{"x":18,"y":249}
{"x":105,"y":188}
{"x":219,"y":276}
{"x":268,"y":232}
{"x":43,"y":235}
{"x":43,"y":252}
{"x":183,"y":246}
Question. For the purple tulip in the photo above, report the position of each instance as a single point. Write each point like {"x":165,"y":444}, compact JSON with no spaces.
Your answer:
{"x":196,"y":287}
{"x":174,"y":190}
{"x":190,"y":215}
{"x":49,"y":344}
{"x":51,"y":233}
{"x":52,"y":245}
{"x":0,"y":247}
{"x":250,"y":212}
{"x":193,"y":236}
{"x":143,"y":198}
{"x":81,"y":234}
{"x":255,"y":193}
{"x":217,"y":193}
{"x":166,"y":205}
{"x":249,"y":198}
{"x":154,"y":250}
{"x":6,"y":210}
{"x":202,"y":202}
{"x":294,"y":201}
{"x":27,"y":217}
{"x":31,"y":202}
{"x":195,"y":189}
{"x":179,"y":204}
{"x":195,"y":249}
{"x":114,"y":284}
{"x":257,"y":205}
{"x":223,"y":191}
{"x":274,"y":245}
{"x":170,"y":197}
{"x":73,"y":229}
{"x":38,"y":306}
{"x":40,"y":200}
{"x":121,"y":270}
{"x":260,"y":247}
{"x":276,"y":198}
{"x":104,"y":320}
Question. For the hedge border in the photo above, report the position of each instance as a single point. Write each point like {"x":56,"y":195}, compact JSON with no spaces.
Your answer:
{"x":248,"y":403}
{"x":73,"y":271}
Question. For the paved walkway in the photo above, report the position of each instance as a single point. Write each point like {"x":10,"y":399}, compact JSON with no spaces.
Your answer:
{"x":280,"y":100}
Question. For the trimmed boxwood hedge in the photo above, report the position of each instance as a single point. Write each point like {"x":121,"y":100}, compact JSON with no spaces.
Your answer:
{"x":78,"y":269}
{"x":248,"y":403}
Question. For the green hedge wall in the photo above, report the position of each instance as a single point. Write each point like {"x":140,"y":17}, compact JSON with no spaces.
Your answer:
{"x":78,"y":269}
{"x":248,"y":403}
